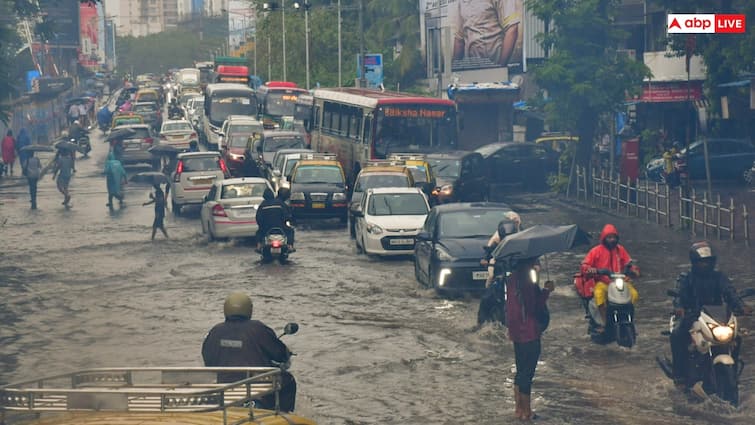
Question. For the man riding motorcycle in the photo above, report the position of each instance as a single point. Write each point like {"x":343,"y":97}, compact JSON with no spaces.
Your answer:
{"x":609,"y":254}
{"x":241,"y":341}
{"x":273,"y":212}
{"x":174,"y":110}
{"x":702,"y":285}
{"x":76,"y":130}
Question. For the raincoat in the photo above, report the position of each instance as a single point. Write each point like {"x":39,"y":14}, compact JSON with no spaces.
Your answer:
{"x":9,"y":149}
{"x":116,"y":175}
{"x":601,"y":257}
{"x":524,"y":302}
{"x":22,"y":140}
{"x":104,"y":117}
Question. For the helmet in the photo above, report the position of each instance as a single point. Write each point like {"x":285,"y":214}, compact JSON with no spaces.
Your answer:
{"x":238,"y":304}
{"x":506,"y":227}
{"x":702,"y":258}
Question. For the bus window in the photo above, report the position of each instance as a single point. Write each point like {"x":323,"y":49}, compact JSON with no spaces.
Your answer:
{"x":354,"y":126}
{"x":317,"y":117}
{"x":367,"y":132}
{"x":343,"y":128}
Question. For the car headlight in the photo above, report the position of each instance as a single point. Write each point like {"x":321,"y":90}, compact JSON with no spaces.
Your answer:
{"x":443,"y":255}
{"x":446,"y":189}
{"x":374,"y":229}
{"x":722,"y":333}
{"x":339,"y":196}
{"x":297,"y":196}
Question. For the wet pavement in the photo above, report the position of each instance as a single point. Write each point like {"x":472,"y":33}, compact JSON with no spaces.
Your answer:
{"x":82,"y":287}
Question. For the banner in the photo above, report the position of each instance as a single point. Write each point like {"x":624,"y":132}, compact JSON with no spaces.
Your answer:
{"x":89,"y":35}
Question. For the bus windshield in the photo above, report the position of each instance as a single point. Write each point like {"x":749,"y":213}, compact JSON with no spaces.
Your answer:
{"x":280,"y":104}
{"x":414,"y":128}
{"x":224,"y":105}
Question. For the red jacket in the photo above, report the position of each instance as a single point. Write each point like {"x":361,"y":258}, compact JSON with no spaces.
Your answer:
{"x":600,"y":257}
{"x":522,"y":308}
{"x":9,"y":149}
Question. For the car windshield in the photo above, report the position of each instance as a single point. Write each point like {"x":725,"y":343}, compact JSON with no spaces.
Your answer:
{"x":243,"y":190}
{"x":245,"y":128}
{"x":239,"y":140}
{"x":221,"y":107}
{"x":448,"y":168}
{"x":419,"y":173}
{"x":371,"y":181}
{"x":397,"y":204}
{"x":140,"y":133}
{"x":201,"y":163}
{"x":323,"y":174}
{"x":145,"y":108}
{"x":274,"y":144}
{"x":470,"y":224}
{"x":177,"y":126}
{"x":280,"y":104}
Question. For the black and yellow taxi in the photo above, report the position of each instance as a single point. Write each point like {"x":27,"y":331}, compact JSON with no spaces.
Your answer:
{"x":421,"y":170}
{"x":319,"y":189}
{"x":126,"y":118}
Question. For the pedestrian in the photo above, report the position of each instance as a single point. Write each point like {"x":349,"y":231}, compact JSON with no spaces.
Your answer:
{"x":158,"y":198}
{"x":63,"y":171}
{"x":526,"y":318}
{"x":116,"y":178}
{"x":33,"y":171}
{"x":9,"y":152}
{"x":84,"y":114}
{"x":22,"y":141}
{"x":73,"y":113}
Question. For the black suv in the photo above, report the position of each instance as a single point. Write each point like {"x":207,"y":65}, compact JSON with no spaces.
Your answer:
{"x":460,"y":176}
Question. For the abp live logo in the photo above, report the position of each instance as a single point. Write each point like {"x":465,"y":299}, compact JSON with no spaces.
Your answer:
{"x":705,"y":23}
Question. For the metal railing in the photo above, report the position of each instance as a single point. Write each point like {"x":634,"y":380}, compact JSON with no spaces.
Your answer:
{"x":656,"y":202}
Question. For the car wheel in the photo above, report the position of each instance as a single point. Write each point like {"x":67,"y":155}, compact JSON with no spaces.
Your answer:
{"x":360,"y":249}
{"x":176,"y":207}
{"x":352,"y":229}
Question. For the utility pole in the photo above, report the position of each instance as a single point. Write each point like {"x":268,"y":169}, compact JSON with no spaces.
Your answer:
{"x":283,"y":20}
{"x":269,"y":60}
{"x":340,"y":80}
{"x":306,"y":36}
{"x":362,"y":78}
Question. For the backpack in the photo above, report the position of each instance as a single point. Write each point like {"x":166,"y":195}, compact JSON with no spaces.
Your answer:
{"x":33,"y":168}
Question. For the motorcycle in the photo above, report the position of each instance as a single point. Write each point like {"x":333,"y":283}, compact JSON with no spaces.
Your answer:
{"x":83,"y":144}
{"x":272,"y":402}
{"x":619,"y":310}
{"x":714,"y":363}
{"x":275,"y":246}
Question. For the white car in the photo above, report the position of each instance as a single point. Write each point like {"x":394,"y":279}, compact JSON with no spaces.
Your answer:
{"x":389,"y":219}
{"x":178,"y":133}
{"x":230,"y":208}
{"x":195,"y":174}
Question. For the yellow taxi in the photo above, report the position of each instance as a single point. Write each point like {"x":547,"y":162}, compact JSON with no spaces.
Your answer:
{"x":126,"y":118}
{"x":147,"y":95}
{"x":319,"y":189}
{"x":420,"y":168}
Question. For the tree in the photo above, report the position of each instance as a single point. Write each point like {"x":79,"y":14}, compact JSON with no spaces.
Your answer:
{"x":584,"y":76}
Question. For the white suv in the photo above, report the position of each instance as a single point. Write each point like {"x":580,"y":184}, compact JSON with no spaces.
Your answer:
{"x":194,"y":176}
{"x":388,"y":220}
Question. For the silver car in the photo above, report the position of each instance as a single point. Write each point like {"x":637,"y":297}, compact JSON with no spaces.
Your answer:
{"x":178,"y":133}
{"x":230,"y":208}
{"x":193,"y":178}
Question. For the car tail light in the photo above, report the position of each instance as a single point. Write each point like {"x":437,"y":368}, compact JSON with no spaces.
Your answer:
{"x":224,"y":167}
{"x":149,"y":140}
{"x":179,"y":170}
{"x":218,"y":211}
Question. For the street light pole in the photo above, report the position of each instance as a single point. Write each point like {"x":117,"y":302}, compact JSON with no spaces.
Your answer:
{"x":269,"y":60}
{"x":306,"y":38}
{"x":283,"y":20}
{"x":340,"y":81}
{"x":362,"y":77}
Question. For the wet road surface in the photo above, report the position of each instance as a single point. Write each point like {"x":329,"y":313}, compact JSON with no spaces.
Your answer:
{"x":83,"y":287}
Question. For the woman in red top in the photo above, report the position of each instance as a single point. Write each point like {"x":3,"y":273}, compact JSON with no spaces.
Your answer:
{"x":9,"y":152}
{"x":525,"y":302}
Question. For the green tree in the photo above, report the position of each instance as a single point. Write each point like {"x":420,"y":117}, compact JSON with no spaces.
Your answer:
{"x":584,"y":76}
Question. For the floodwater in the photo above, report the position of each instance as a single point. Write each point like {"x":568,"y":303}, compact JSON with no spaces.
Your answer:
{"x":82,"y":287}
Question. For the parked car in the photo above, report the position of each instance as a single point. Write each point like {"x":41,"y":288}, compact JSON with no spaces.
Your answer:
{"x":374,"y":176}
{"x":524,"y":165}
{"x":193,"y":178}
{"x":273,"y":141}
{"x":729,"y":159}
{"x":388,"y":220}
{"x":178,"y":133}
{"x":460,"y":177}
{"x":134,"y":149}
{"x":230,"y":208}
{"x":449,"y":247}
{"x":318,"y":189}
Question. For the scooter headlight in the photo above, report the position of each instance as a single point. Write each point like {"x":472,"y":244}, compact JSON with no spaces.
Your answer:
{"x":619,"y":282}
{"x":533,"y":276}
{"x":722,"y":333}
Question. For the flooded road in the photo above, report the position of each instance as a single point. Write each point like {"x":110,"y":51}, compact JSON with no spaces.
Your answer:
{"x":82,"y":287}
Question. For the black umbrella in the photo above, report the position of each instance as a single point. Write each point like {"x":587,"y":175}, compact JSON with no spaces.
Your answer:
{"x":163,"y":149}
{"x":150,"y":177}
{"x":66,"y":145}
{"x":120,"y":134}
{"x":37,"y":148}
{"x":538,"y":240}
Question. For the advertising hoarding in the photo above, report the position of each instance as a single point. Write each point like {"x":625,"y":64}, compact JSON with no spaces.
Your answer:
{"x":64,"y":14}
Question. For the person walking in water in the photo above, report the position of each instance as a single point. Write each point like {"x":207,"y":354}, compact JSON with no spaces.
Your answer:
{"x":9,"y":152}
{"x":158,"y":198}
{"x":116,"y":178}
{"x":33,"y":170}
{"x":64,"y":169}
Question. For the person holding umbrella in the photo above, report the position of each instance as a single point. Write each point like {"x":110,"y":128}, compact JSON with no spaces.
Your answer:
{"x":116,"y":178}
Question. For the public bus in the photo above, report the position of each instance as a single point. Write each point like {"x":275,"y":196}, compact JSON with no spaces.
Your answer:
{"x":277,"y":99}
{"x":222,"y":100}
{"x":361,"y":124}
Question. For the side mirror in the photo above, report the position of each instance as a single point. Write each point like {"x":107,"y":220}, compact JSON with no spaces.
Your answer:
{"x":424,"y":236}
{"x":291,"y":328}
{"x":276,"y":173}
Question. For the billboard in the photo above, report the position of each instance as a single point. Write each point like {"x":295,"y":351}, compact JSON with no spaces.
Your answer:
{"x":64,"y":14}
{"x":373,"y":69}
{"x":89,"y":35}
{"x":486,"y":33}
{"x":240,"y":25}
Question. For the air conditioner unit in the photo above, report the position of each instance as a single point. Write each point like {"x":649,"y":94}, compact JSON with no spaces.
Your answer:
{"x":631,"y":53}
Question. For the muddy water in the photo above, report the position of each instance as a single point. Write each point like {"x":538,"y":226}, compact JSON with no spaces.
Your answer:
{"x":82,"y":287}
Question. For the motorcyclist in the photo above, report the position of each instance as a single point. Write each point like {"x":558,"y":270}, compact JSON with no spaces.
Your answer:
{"x":174,"y":110}
{"x":702,"y":285}
{"x":241,"y":341}
{"x":669,"y":158}
{"x":611,"y":255}
{"x":76,"y":130}
{"x":273,"y":212}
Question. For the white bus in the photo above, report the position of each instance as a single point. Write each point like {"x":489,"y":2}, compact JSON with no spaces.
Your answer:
{"x":222,"y":100}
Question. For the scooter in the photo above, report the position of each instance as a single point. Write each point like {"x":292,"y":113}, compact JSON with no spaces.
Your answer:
{"x":714,"y":364}
{"x":83,"y":143}
{"x":619,"y":311}
{"x":275,"y":246}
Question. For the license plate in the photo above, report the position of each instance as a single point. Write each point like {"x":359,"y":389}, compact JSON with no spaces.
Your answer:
{"x":177,"y":137}
{"x":202,"y":181}
{"x":402,"y":242}
{"x":318,"y":204}
{"x":275,"y":250}
{"x":479,"y":275}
